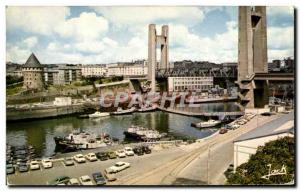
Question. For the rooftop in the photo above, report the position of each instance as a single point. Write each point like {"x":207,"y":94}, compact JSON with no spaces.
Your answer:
{"x":32,"y":62}
{"x":280,"y":125}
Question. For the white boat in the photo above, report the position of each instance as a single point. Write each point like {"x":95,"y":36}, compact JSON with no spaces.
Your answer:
{"x":98,"y":114}
{"x":209,"y":123}
{"x":121,"y":111}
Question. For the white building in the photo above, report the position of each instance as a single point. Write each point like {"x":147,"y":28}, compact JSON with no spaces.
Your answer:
{"x":137,"y":68}
{"x":190,"y":83}
{"x":94,"y":70}
{"x":247,"y":144}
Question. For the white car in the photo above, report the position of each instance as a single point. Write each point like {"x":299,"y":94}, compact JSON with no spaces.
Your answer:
{"x":129,"y":151}
{"x":121,"y":153}
{"x":79,"y":158}
{"x":34,"y":165}
{"x":73,"y":181}
{"x":85,"y":180}
{"x":119,"y":166}
{"x":91,"y":157}
{"x":47,"y":163}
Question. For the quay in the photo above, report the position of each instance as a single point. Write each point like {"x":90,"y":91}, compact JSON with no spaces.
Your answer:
{"x":202,"y":114}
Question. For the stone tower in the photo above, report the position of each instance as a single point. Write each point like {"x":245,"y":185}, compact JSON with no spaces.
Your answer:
{"x":32,"y":72}
{"x":163,"y":42}
{"x":252,"y":50}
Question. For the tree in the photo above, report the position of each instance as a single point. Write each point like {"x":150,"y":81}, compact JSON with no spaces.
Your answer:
{"x":275,"y":153}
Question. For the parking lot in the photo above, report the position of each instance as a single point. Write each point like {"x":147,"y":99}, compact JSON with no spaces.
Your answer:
{"x":138,"y":164}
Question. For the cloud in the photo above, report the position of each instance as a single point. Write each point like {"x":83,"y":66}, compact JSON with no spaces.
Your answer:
{"x":88,"y":26}
{"x":112,"y":34}
{"x":138,"y":15}
{"x":38,"y":20}
{"x":280,"y":10}
{"x":17,"y":54}
{"x":280,"y":37}
{"x":31,"y":41}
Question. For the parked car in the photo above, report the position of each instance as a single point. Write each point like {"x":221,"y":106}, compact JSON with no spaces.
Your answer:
{"x":121,"y":153}
{"x":34,"y":165}
{"x":129,"y":151}
{"x":223,"y":131}
{"x":119,"y":166}
{"x":68,"y":161}
{"x":60,"y":180}
{"x":85,"y":180}
{"x":10,"y":169}
{"x":47,"y":163}
{"x":138,"y":151}
{"x":109,"y":177}
{"x":23,"y":167}
{"x":98,"y":178}
{"x":91,"y":157}
{"x":73,"y":182}
{"x":146,"y":149}
{"x":79,"y":158}
{"x":111,"y":155}
{"x":102,"y":156}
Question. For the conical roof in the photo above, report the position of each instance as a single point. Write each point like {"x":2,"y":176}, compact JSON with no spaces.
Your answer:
{"x":32,"y":62}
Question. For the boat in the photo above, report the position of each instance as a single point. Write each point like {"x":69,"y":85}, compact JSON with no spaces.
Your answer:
{"x":98,"y":114}
{"x":121,"y":111}
{"x":81,"y":140}
{"x":147,"y":108}
{"x":206,"y":124}
{"x":143,"y":134}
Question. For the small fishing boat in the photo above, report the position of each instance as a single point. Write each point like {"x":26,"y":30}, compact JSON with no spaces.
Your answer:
{"x":143,"y":134}
{"x":121,"y":111}
{"x":98,"y":114}
{"x":81,"y":140}
{"x":206,"y":124}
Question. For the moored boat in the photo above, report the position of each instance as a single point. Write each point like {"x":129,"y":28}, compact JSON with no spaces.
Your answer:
{"x":121,"y":111}
{"x":143,"y":134}
{"x":81,"y":140}
{"x":147,"y":108}
{"x":98,"y":114}
{"x":206,"y":124}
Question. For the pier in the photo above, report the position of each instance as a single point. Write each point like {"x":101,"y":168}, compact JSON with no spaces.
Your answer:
{"x":203,"y":114}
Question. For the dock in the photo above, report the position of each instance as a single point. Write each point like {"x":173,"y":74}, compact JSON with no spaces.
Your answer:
{"x":202,"y":114}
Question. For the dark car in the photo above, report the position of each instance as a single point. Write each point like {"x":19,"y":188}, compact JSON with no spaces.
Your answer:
{"x":138,"y":151}
{"x":10,"y":169}
{"x":68,"y":161}
{"x":111,"y":155}
{"x":146,"y":149}
{"x":102,"y":156}
{"x":99,"y":179}
{"x":23,"y":167}
{"x":60,"y":180}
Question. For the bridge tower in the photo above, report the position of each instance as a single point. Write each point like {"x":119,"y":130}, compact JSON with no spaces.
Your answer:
{"x":163,"y":42}
{"x":252,"y":52}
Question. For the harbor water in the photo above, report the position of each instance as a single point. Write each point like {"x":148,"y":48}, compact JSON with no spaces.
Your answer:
{"x":40,"y":133}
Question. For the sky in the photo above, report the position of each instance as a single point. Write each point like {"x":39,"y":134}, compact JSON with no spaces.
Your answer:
{"x":101,"y":35}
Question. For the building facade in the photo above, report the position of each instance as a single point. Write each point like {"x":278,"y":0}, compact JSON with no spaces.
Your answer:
{"x":94,"y":70}
{"x":62,"y":74}
{"x":32,"y":72}
{"x":137,"y":68}
{"x":198,"y":84}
